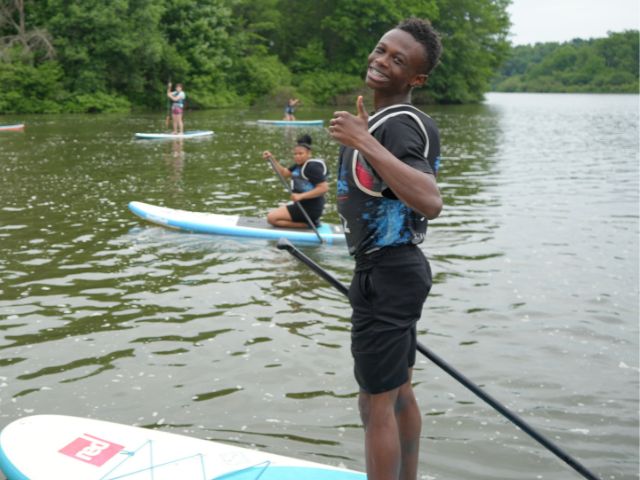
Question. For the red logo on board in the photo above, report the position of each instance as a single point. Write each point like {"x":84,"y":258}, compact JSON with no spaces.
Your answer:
{"x":90,"y":449}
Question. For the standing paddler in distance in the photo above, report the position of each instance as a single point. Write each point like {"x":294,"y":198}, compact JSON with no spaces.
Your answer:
{"x":308,"y":187}
{"x":177,"y":98}
{"x":290,"y":109}
{"x":386,"y":192}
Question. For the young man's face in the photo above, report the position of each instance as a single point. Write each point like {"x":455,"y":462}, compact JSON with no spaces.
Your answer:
{"x":396,"y":63}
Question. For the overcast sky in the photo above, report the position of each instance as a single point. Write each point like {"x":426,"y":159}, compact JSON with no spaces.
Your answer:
{"x":563,"y":20}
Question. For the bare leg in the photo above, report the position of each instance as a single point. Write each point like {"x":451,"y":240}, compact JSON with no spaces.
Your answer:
{"x":410,"y":426}
{"x":392,"y":425}
{"x":174,"y":122}
{"x":180,"y":125}
{"x":280,"y":217}
{"x":381,"y":436}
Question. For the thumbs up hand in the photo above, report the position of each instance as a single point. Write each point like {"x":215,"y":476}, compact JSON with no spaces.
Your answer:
{"x":350,"y":130}
{"x":362,"y":113}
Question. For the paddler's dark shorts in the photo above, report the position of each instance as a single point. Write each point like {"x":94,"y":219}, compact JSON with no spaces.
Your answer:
{"x":313,"y":208}
{"x":388,"y":290}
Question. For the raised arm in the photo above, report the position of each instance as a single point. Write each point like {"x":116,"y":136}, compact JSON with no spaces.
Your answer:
{"x":418,"y":190}
{"x":285,"y":172}
{"x":170,"y":93}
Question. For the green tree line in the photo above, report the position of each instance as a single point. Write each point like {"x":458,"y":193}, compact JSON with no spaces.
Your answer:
{"x":602,"y":65}
{"x":117,"y":55}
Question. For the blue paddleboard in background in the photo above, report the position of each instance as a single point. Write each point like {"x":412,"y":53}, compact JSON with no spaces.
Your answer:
{"x":292,"y":123}
{"x":234,"y":225}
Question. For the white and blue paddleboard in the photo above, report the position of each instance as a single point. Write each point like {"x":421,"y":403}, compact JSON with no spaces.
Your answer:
{"x":235,"y":225}
{"x":187,"y":134}
{"x":292,"y":123}
{"x":12,"y":128}
{"x":46,"y":447}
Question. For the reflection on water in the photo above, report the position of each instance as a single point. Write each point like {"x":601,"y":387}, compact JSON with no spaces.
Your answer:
{"x":175,"y":165}
{"x":535,"y":297}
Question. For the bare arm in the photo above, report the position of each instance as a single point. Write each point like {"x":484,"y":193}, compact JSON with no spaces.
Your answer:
{"x":285,"y":172}
{"x":170,"y":94}
{"x":319,"y":190}
{"x":416,"y":189}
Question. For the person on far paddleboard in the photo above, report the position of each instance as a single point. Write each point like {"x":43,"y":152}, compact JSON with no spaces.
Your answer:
{"x":177,"y":98}
{"x":308,"y":186}
{"x":290,"y":108}
{"x":386,"y":193}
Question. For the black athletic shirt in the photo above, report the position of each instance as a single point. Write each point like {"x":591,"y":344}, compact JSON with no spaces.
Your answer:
{"x":371,"y":214}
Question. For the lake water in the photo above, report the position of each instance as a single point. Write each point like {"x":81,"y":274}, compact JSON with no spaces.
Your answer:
{"x":535,"y":298}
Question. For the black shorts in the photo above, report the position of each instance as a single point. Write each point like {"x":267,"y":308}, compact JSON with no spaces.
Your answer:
{"x":388,"y":290}
{"x":313,"y":209}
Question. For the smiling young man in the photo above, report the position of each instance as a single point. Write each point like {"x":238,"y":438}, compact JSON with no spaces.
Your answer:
{"x":386,"y":193}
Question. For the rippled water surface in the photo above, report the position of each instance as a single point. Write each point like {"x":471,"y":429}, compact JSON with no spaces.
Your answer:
{"x":535,"y":299}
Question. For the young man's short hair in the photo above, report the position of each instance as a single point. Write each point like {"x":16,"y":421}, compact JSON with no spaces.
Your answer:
{"x":425,"y":34}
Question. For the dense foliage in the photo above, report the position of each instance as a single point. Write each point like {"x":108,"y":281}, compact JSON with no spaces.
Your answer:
{"x":597,"y":65}
{"x":92,"y":55}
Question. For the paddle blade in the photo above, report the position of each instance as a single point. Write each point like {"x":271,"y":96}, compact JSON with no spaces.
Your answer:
{"x":284,"y":244}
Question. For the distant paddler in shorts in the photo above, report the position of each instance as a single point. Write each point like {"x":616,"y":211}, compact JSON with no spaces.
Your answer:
{"x":290,"y":108}
{"x":177,"y":98}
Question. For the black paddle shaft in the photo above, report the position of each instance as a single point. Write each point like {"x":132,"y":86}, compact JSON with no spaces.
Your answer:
{"x":288,"y":187}
{"x":284,"y":244}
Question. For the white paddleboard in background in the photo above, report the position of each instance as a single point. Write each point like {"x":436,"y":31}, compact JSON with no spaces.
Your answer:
{"x":12,"y":128}
{"x":58,"y":447}
{"x":187,"y":134}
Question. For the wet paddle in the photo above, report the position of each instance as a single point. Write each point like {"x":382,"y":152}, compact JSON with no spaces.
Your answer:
{"x":284,"y":244}
{"x":288,"y":187}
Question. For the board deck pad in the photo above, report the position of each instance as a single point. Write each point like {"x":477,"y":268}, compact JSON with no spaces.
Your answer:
{"x":233,"y":225}
{"x":45,"y":447}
